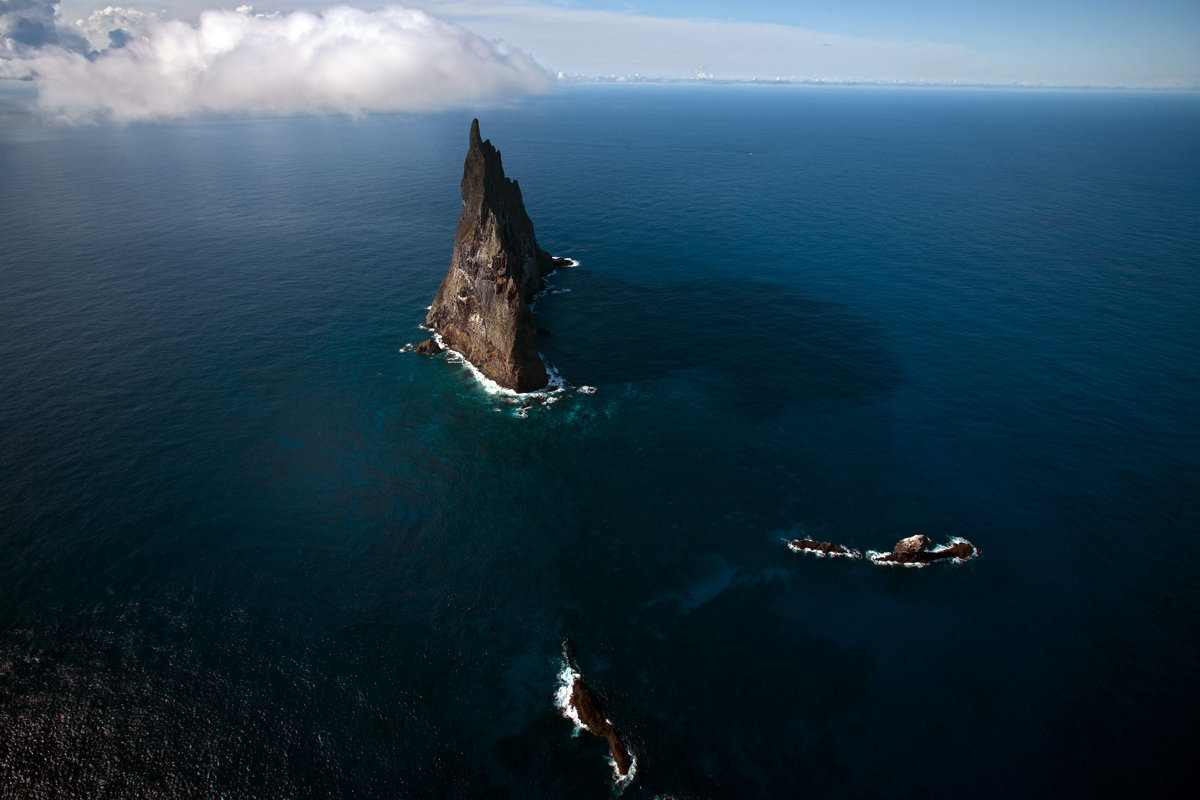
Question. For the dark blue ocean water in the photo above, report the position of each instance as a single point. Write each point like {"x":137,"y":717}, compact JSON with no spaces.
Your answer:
{"x":248,"y":548}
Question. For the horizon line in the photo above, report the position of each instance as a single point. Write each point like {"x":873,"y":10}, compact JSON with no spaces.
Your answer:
{"x":899,"y":83}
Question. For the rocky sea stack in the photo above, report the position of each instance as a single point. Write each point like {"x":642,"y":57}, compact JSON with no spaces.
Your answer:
{"x":482,"y":305}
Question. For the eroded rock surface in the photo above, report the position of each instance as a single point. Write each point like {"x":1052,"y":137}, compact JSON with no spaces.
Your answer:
{"x":482,"y":305}
{"x":912,"y":545}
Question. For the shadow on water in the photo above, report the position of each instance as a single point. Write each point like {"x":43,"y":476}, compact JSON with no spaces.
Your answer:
{"x":733,"y":336}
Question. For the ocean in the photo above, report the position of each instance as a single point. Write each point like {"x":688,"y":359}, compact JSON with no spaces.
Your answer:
{"x":250,"y":547}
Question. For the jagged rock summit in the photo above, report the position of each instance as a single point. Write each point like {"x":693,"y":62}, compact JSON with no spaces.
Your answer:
{"x":482,"y":305}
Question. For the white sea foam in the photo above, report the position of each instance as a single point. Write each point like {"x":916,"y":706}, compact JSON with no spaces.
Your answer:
{"x":974,"y":550}
{"x":567,"y":678}
{"x":850,"y":553}
{"x":408,"y":346}
{"x":555,"y":381}
{"x":489,"y":385}
{"x":548,"y":287}
{"x":875,"y":555}
{"x":623,"y":780}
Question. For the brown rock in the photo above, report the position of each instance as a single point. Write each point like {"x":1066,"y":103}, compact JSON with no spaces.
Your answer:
{"x":591,"y":713}
{"x":482,"y":305}
{"x":959,"y":550}
{"x":826,"y":548}
{"x":429,"y":347}
{"x":912,"y":545}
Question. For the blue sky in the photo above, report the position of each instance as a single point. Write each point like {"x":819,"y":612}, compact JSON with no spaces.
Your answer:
{"x":1123,"y":42}
{"x":1077,"y":42}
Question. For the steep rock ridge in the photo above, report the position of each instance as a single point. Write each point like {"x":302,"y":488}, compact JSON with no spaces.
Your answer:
{"x":482,"y":305}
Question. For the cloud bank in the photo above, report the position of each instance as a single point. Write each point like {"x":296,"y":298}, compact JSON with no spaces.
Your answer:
{"x":124,"y":65}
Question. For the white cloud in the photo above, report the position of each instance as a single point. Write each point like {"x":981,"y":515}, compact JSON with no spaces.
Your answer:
{"x":99,"y":27}
{"x":343,"y":60}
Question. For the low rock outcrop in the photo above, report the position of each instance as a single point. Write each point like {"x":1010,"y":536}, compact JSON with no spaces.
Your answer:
{"x":580,"y":704}
{"x":482,"y":307}
{"x":590,"y":712}
{"x":914,"y":550}
{"x":821,"y":548}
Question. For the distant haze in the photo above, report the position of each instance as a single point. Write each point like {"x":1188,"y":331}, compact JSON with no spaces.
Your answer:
{"x":1154,"y":43}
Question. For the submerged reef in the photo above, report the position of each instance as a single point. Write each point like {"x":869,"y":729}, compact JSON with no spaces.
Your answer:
{"x":482,"y":307}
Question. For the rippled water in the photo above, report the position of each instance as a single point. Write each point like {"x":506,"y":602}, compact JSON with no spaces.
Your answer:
{"x":249,"y":547}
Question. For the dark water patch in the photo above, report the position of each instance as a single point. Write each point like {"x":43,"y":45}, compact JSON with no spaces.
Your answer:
{"x":805,"y":686}
{"x":759,"y":347}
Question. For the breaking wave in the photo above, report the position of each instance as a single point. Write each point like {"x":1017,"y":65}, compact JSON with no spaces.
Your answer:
{"x":567,"y":678}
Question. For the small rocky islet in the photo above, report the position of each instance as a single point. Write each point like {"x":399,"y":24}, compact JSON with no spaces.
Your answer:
{"x":583,"y":706}
{"x":822,"y":548}
{"x":915,"y":550}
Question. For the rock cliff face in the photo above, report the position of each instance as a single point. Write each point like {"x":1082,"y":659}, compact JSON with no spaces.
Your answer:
{"x":482,"y":305}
